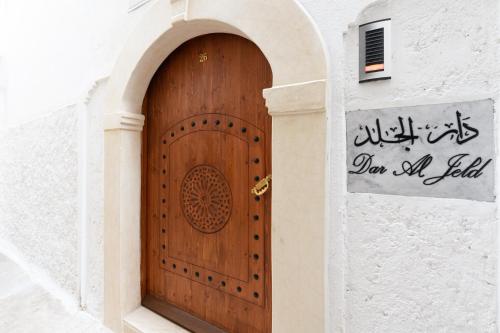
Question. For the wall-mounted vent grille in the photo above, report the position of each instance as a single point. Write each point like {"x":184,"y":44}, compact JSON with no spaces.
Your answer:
{"x":374,"y":51}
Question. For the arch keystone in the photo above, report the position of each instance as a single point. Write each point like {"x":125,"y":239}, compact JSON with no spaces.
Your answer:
{"x":179,"y":10}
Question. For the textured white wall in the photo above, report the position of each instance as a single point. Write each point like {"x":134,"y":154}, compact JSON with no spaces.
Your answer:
{"x":93,"y":278}
{"x":38,"y":194}
{"x":420,"y":265}
{"x":411,"y":264}
{"x":51,"y":55}
{"x":415,"y":264}
{"x":3,"y":76}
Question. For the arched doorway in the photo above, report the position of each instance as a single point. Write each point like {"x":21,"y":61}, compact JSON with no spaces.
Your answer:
{"x":298,"y":108}
{"x":206,"y":143}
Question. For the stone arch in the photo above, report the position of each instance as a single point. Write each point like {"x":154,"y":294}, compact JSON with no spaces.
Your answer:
{"x":296,"y":101}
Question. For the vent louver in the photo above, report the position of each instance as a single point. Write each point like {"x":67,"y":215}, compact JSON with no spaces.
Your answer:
{"x":374,"y":51}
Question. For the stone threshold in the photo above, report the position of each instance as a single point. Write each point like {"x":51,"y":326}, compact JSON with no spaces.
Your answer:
{"x":143,"y":320}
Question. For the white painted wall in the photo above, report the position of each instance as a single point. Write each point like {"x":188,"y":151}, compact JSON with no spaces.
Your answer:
{"x":396,"y":264}
{"x":416,"y":264}
{"x":68,"y":43}
{"x":52,"y":53}
{"x":3,"y":44}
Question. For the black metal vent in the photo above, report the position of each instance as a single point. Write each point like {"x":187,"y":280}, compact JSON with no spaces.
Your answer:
{"x":374,"y":50}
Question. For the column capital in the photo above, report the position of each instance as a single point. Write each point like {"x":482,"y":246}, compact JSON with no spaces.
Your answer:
{"x":299,"y":98}
{"x":123,"y":121}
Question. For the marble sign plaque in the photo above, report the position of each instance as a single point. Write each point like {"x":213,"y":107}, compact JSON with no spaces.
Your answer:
{"x":441,"y":150}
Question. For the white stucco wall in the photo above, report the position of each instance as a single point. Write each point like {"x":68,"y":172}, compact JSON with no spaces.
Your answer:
{"x":39,"y":194}
{"x":416,"y":264}
{"x":395,"y":264}
{"x":93,"y":266}
{"x":68,"y":43}
{"x":420,"y":265}
{"x":52,"y":53}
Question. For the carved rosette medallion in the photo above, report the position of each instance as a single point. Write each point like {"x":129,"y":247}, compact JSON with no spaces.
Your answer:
{"x":206,"y":199}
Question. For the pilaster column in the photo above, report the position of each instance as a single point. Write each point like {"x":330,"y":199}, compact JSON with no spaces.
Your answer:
{"x":122,"y":206}
{"x":298,"y":207}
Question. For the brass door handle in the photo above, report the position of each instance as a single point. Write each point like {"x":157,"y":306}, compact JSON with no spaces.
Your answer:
{"x":262,"y":186}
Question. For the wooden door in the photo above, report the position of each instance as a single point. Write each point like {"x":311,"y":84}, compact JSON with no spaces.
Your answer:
{"x":206,"y":260}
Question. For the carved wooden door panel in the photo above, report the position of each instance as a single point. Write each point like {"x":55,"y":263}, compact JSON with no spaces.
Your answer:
{"x":207,"y":141}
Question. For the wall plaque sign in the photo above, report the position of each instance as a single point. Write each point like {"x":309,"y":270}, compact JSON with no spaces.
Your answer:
{"x":442,"y":150}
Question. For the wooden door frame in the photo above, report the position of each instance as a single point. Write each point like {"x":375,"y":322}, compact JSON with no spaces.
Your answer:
{"x":297,"y":104}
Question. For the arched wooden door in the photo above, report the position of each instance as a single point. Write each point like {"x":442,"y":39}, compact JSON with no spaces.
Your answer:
{"x":206,"y":260}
